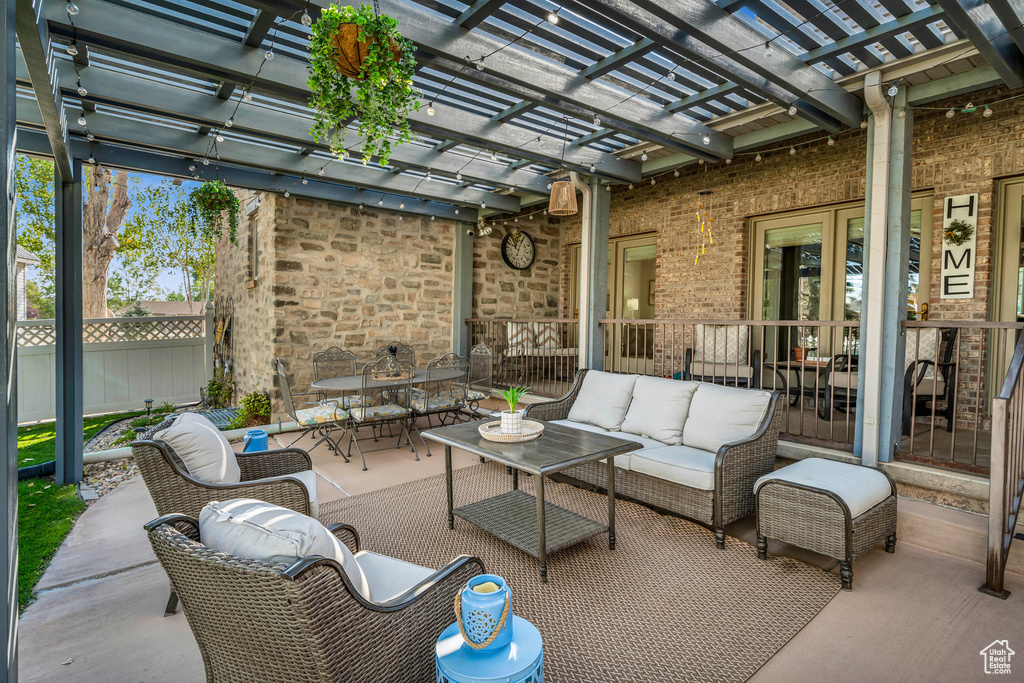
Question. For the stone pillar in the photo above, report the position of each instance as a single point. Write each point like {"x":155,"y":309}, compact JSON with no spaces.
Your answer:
{"x":70,"y":376}
{"x":886,"y":247}
{"x":593,"y":286}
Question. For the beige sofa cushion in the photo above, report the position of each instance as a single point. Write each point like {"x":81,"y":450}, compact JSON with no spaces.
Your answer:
{"x":389,"y":577}
{"x":721,"y":415}
{"x":202,"y":447}
{"x":603,"y":399}
{"x":659,"y":409}
{"x":255,"y":530}
{"x":691,"y":467}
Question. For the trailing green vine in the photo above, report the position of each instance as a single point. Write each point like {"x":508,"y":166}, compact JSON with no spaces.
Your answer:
{"x":381,"y":98}
{"x":958,"y":232}
{"x":208,"y":202}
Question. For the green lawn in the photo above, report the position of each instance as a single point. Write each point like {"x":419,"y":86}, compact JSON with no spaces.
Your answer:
{"x":46,"y":512}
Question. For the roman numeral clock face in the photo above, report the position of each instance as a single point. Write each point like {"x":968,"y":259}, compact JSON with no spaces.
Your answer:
{"x":517,"y":250}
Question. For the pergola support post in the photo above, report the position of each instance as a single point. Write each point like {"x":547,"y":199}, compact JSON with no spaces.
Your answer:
{"x":70,"y":376}
{"x":593,"y":285}
{"x":8,"y":361}
{"x":462,"y":294}
{"x":886,"y":266}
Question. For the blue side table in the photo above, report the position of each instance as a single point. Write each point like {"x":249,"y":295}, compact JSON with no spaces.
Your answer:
{"x":521,"y":661}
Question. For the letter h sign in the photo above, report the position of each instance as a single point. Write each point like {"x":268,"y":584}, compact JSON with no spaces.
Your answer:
{"x":957,"y":280}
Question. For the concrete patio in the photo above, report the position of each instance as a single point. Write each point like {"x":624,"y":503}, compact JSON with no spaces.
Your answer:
{"x":918,"y":612}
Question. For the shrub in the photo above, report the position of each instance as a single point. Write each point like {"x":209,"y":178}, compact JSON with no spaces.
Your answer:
{"x":253,"y":411}
{"x":219,"y":390}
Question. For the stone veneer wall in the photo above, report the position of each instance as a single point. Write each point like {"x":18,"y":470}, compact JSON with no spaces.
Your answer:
{"x":334,"y":275}
{"x":503,"y":292}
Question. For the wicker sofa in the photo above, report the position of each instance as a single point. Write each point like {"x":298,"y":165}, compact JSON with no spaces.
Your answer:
{"x":704,"y":445}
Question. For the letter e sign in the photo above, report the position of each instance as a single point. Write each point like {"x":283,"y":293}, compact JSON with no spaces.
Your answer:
{"x":957,"y":281}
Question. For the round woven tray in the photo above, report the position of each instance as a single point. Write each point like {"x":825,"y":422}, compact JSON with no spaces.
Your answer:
{"x":385,"y":376}
{"x":492,"y":432}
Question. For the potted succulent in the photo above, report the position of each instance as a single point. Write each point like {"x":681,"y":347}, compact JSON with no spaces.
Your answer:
{"x":361,"y":68}
{"x":512,"y":419}
{"x":207,"y":204}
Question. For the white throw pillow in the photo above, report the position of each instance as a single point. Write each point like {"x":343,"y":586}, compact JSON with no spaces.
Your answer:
{"x":721,"y":415}
{"x":255,"y":530}
{"x":603,"y":399}
{"x":202,"y":447}
{"x":659,"y":409}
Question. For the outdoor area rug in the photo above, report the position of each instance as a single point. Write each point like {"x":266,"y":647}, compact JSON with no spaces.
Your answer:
{"x":665,"y":605}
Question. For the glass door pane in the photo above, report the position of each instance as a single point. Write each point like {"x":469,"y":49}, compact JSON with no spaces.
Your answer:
{"x":631,"y":348}
{"x":917,"y":294}
{"x":792,"y":273}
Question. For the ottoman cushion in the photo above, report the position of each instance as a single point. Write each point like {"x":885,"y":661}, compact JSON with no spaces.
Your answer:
{"x":861,"y":488}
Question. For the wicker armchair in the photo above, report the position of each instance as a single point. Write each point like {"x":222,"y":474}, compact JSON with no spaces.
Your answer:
{"x":737,"y":466}
{"x":256,"y":622}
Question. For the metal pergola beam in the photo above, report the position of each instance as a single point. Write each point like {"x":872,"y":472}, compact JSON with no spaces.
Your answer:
{"x":908,"y":22}
{"x":143,"y":36}
{"x":209,"y":112}
{"x":259,"y":27}
{"x":614,"y":61}
{"x":976,"y":20}
{"x":116,"y":156}
{"x":34,"y":39}
{"x":148,"y":136}
{"x":556,"y":85}
{"x":701,"y":29}
{"x":477,"y":12}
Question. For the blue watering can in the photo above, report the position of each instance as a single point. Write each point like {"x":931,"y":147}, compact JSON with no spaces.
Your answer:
{"x":255,"y":440}
{"x":483,"y":610}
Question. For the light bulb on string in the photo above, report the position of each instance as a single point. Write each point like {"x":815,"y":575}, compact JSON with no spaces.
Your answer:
{"x":652,"y":181}
{"x":92,"y":160}
{"x":360,"y":207}
{"x":631,"y":186}
{"x":700,"y":161}
{"x":758,"y":158}
{"x":72,"y":50}
{"x":549,"y":186}
{"x":987,"y":113}
{"x":458,"y":176}
{"x":456,"y":212}
{"x":553,"y":18}
{"x":831,"y":142}
{"x":402,"y":205}
{"x":247,"y":96}
{"x":480,"y":64}
{"x":82,"y":92}
{"x":597,"y":120}
{"x":72,"y":9}
{"x":220,"y":138}
{"x":90,"y":136}
{"x":863,"y":125}
{"x":768,"y":49}
{"x":287,"y":193}
{"x":706,"y":139}
{"x":792,"y":110}
{"x":305,"y":182}
{"x":902,"y":113}
{"x":494,"y":156}
{"x":643,"y":157}
{"x":671,"y":75}
{"x":430,"y":109}
{"x":593,"y":168}
{"x":320,"y":172}
{"x":951,"y":113}
{"x":306,"y":20}
{"x":893,"y":90}
{"x":728,"y":161}
{"x":380,"y":202}
{"x":230,"y":122}
{"x":81,"y":119}
{"x":676,"y":173}
{"x":431,"y":218}
{"x":206,"y":162}
{"x":192,"y":168}
{"x":792,"y":151}
{"x":269,"y":56}
{"x":483,"y":205}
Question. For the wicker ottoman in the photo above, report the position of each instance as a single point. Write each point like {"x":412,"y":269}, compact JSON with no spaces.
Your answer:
{"x":833,"y":508}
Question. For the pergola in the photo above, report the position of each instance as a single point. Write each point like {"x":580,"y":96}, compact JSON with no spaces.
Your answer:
{"x":520,"y":91}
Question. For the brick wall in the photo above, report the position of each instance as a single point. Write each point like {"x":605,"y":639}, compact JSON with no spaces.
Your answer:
{"x":503,"y":292}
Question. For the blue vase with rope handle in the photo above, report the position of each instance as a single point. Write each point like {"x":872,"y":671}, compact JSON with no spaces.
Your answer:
{"x":484,"y":613}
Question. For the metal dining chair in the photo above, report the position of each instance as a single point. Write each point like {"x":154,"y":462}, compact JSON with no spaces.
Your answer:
{"x":397,"y":350}
{"x":387,"y":384}
{"x":444,"y":393}
{"x":336,"y":362}
{"x":321,"y":418}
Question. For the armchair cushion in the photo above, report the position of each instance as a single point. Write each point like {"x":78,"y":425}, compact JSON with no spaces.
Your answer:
{"x":720,"y":415}
{"x":389,"y":577}
{"x":308,"y":478}
{"x":659,"y":409}
{"x":321,"y":414}
{"x":603,"y":399}
{"x":255,"y":530}
{"x":207,"y":455}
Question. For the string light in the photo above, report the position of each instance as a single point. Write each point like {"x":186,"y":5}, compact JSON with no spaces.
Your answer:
{"x":230,"y":122}
{"x":652,"y":181}
{"x":480,"y":64}
{"x":902,"y":113}
{"x":483,"y":205}
{"x":676,"y":173}
{"x":494,"y":156}
{"x":305,"y":182}
{"x":700,"y":161}
{"x":287,"y":193}
{"x":706,"y":139}
{"x":553,"y":17}
{"x":72,"y":9}
{"x":380,"y":202}
{"x":220,"y":138}
{"x":792,"y":151}
{"x":430,"y":109}
{"x":82,"y":92}
{"x":90,"y":136}
{"x":269,"y":56}
{"x":893,"y":90}
{"x":247,"y":96}
{"x":206,"y":162}
{"x":192,"y":168}
{"x":792,"y":110}
{"x":597,"y":120}
{"x":456,"y":212}
{"x":768,"y":49}
{"x":630,"y":186}
{"x":321,"y":171}
{"x":402,"y":205}
{"x":987,"y":113}
{"x":758,"y":158}
{"x":831,"y":142}
{"x":81,"y":119}
{"x":593,"y":168}
{"x":951,"y":113}
{"x":671,"y":75}
{"x":72,"y":50}
{"x":643,"y":157}
{"x":458,"y":176}
{"x":306,"y":20}
{"x":863,"y":125}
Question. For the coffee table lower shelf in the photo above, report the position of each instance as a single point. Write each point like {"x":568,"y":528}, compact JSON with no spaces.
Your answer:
{"x":512,"y":517}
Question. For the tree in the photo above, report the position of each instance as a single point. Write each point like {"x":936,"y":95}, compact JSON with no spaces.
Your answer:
{"x":175,"y":296}
{"x":102,"y":217}
{"x":138,"y":263}
{"x":35,"y":225}
{"x":179,"y":240}
{"x":40,"y":306}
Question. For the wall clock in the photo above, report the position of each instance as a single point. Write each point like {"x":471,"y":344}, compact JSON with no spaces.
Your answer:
{"x":517,"y":250}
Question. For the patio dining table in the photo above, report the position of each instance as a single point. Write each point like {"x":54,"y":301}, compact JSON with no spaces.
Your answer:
{"x":355,"y":382}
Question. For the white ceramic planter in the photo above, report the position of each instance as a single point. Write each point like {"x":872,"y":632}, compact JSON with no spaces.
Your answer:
{"x":511,"y":421}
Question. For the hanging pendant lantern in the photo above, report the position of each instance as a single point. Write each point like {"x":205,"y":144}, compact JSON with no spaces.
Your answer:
{"x":563,"y":199}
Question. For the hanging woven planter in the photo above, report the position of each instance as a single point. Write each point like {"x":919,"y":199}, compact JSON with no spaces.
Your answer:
{"x":563,"y":199}
{"x":350,"y":53}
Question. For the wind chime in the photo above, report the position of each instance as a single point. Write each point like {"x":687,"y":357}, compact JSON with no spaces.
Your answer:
{"x":704,"y":206}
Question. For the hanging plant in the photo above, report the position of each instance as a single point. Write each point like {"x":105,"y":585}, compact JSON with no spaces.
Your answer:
{"x":207,"y":204}
{"x":361,"y":68}
{"x":958,"y":232}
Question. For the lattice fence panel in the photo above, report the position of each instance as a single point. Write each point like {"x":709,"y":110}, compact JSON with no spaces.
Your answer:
{"x":117,"y":330}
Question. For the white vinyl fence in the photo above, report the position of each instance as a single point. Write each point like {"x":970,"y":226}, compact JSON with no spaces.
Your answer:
{"x":127,"y":360}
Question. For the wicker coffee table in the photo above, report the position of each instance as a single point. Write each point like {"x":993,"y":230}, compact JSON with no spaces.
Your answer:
{"x":526,"y":522}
